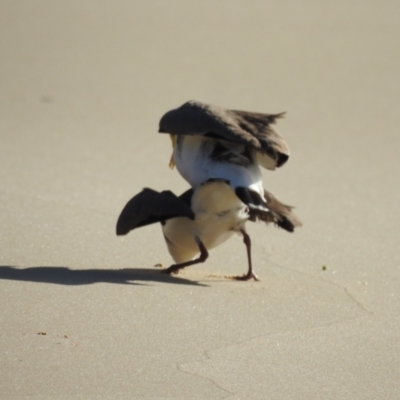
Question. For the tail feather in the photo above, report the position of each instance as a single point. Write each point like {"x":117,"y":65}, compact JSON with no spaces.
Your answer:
{"x":280,"y":213}
{"x":269,"y":211}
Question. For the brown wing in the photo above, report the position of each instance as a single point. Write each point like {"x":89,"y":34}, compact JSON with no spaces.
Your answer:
{"x":149,"y":207}
{"x":251,"y":129}
{"x":259,"y":126}
{"x":281,"y":214}
{"x":269,"y":211}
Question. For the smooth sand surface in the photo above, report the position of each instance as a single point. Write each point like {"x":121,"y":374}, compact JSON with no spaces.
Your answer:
{"x":84,"y":313}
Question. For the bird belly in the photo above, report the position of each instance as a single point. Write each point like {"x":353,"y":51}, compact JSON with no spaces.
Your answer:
{"x":190,"y":160}
{"x":212,"y":235}
{"x":193,"y":160}
{"x":179,"y":234}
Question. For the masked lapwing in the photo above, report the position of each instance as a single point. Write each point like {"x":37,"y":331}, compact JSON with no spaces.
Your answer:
{"x":203,"y":218}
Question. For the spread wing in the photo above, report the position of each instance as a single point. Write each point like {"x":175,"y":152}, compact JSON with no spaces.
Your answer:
{"x":282,"y":214}
{"x":249,"y":128}
{"x":149,"y":207}
{"x":272,"y":210}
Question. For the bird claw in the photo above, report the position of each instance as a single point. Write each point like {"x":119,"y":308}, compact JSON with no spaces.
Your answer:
{"x":246,"y":277}
{"x":171,"y":270}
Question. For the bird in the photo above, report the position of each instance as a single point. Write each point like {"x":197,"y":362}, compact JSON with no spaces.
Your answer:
{"x":202,"y":218}
{"x":211,"y":142}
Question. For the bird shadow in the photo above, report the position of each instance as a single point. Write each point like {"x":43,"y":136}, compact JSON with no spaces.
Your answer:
{"x":75,"y":277}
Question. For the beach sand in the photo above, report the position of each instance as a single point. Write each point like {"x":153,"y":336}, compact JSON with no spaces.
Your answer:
{"x":85,"y":314}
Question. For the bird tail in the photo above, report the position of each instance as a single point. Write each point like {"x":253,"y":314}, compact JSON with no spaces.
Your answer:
{"x":279,"y":213}
{"x":269,"y":211}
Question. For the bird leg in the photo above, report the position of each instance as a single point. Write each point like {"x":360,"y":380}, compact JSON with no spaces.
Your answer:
{"x":250,"y":274}
{"x":173,"y":269}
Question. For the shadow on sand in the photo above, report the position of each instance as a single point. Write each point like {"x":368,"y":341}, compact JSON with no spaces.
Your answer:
{"x":67,"y":276}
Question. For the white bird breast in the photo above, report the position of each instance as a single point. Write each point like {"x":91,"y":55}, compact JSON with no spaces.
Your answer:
{"x":192,"y":158}
{"x":219,"y":213}
{"x":181,"y":233}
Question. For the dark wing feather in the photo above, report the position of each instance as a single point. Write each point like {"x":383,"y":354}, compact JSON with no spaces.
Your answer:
{"x":281,"y":214}
{"x":149,"y":207}
{"x":270,"y":211}
{"x":187,"y":197}
{"x":251,"y":129}
{"x":196,"y":118}
{"x":270,"y":141}
{"x":258,"y":208}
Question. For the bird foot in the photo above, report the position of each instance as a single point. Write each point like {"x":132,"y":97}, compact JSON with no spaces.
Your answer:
{"x":246,"y":277}
{"x":171,"y":270}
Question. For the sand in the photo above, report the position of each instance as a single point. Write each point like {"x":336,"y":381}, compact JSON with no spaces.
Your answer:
{"x":85,"y":314}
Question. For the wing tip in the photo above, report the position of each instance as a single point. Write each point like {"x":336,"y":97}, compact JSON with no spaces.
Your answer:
{"x":121,"y":229}
{"x":289,"y":224}
{"x":282,"y":159}
{"x":280,"y":115}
